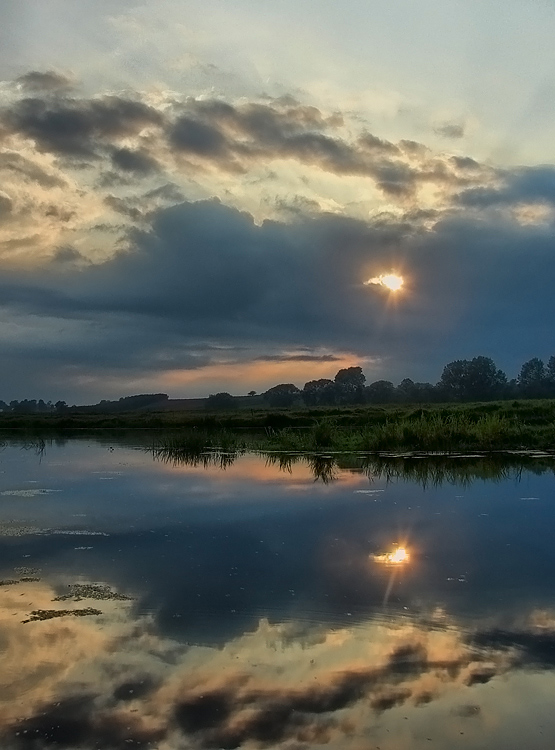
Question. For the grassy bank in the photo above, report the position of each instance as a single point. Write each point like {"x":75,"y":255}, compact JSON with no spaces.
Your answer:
{"x":516,"y":425}
{"x":446,"y":430}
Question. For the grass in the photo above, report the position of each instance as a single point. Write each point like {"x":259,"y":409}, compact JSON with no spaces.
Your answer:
{"x":492,"y":426}
{"x":435,"y":432}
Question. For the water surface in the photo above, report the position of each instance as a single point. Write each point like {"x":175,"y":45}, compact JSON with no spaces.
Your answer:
{"x":250,"y":605}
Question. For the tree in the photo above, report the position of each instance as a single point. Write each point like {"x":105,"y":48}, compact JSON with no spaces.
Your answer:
{"x":477,"y":379}
{"x":321,"y":392}
{"x":284,"y":394}
{"x":220,"y":401}
{"x":406,"y":391}
{"x":251,"y":393}
{"x":349,"y":383}
{"x":380,"y":392}
{"x":409,"y":392}
{"x":532,"y":380}
{"x":27,"y":406}
{"x":550,"y":375}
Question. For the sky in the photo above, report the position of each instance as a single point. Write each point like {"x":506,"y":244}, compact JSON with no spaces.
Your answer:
{"x":192,"y":195}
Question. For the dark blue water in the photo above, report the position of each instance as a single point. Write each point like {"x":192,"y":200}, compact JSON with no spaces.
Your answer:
{"x":251,"y":607}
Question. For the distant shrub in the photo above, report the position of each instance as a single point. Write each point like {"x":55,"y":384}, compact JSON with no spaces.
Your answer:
{"x":221,"y":401}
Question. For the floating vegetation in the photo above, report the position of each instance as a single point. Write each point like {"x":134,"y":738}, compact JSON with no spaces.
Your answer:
{"x":15,"y":529}
{"x":24,"y":570}
{"x":80,"y":591}
{"x":28,"y":493}
{"x":13,"y":581}
{"x":72,"y":532}
{"x":50,"y":614}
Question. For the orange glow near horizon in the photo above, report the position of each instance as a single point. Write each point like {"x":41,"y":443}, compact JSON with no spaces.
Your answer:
{"x":238,"y":377}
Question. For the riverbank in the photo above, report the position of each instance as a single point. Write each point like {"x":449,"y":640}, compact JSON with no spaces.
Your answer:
{"x":491,"y":426}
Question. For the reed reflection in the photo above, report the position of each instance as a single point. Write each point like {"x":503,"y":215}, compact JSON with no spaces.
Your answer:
{"x":235,"y":603}
{"x":426,"y":470}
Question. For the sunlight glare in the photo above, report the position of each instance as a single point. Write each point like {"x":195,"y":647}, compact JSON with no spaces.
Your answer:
{"x":398,"y":556}
{"x":391,"y":281}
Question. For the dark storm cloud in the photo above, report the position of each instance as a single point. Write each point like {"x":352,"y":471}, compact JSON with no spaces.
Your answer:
{"x":204,"y":272}
{"x":465,"y":162}
{"x":197,"y":273}
{"x":299,"y":358}
{"x":373,"y":143}
{"x":138,"y":162}
{"x":78,"y":127}
{"x":168,"y":192}
{"x":198,"y":138}
{"x":520,"y":185}
{"x":125,"y":207}
{"x":37,"y":81}
{"x":215,"y":269}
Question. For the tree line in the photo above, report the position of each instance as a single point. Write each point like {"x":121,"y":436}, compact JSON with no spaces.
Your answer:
{"x":477,"y":379}
{"x":32,"y":406}
{"x":125,"y":403}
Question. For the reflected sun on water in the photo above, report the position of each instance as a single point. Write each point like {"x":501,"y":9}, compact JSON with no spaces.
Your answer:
{"x":197,"y":606}
{"x":398,"y":556}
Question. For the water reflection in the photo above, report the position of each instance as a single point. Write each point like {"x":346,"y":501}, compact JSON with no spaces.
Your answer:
{"x":201,"y":605}
{"x":114,"y":680}
{"x":425,"y":469}
{"x":398,"y":556}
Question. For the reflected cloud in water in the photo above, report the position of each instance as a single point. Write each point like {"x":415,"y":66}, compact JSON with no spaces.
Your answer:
{"x":117,"y":681}
{"x":246,"y":605}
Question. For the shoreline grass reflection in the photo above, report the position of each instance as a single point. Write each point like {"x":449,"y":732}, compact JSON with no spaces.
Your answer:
{"x":427,"y":470}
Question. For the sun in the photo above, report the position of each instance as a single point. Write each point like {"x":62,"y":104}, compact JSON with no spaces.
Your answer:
{"x":391,"y":281}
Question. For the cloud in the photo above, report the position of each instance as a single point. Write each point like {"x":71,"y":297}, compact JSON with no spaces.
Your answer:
{"x":38,"y":81}
{"x":299,"y":358}
{"x":450,"y":130}
{"x":527,"y":185}
{"x":126,"y":683}
{"x":192,"y":134}
{"x":202,"y":275}
{"x":235,"y":136}
{"x":138,"y":162}
{"x":16,"y":164}
{"x":535,"y":648}
{"x":117,"y":680}
{"x":78,"y":128}
{"x":6,"y":205}
{"x":120,"y":180}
